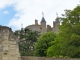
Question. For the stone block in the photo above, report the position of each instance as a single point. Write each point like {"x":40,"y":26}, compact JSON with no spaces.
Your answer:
{"x":8,"y":49}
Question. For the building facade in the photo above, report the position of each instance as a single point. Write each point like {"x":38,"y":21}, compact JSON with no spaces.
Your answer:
{"x":42,"y":27}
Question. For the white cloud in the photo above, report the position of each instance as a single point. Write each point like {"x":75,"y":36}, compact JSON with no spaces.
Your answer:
{"x":4,"y":3}
{"x":29,"y":10}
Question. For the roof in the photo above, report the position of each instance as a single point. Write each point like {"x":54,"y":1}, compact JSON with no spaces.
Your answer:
{"x":57,"y":20}
{"x":43,"y":19}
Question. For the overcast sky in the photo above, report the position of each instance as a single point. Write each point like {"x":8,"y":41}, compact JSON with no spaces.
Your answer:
{"x":13,"y":13}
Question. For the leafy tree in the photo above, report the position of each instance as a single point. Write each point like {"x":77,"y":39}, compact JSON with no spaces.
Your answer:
{"x":27,"y":40}
{"x":55,"y":49}
{"x":43,"y":43}
{"x":68,"y":41}
{"x":68,"y":30}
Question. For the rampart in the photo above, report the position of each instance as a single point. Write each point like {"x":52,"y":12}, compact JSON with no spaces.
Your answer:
{"x":45,"y":58}
{"x":9,"y":49}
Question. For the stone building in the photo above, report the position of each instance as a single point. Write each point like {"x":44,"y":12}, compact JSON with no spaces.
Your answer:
{"x":9,"y":49}
{"x":43,"y":27}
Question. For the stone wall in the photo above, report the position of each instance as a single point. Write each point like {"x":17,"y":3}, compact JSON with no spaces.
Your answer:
{"x":9,"y":49}
{"x":44,"y":58}
{"x":38,"y":28}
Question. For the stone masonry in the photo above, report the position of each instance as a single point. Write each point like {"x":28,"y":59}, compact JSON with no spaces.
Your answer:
{"x":9,"y":49}
{"x":46,"y":58}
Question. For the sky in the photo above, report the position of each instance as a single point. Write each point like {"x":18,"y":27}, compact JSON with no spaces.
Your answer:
{"x":14,"y":13}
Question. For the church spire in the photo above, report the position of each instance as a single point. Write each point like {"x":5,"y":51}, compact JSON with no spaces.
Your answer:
{"x":57,"y":18}
{"x":43,"y":19}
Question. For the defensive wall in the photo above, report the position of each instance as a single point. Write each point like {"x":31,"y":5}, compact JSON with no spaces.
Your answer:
{"x":45,"y":58}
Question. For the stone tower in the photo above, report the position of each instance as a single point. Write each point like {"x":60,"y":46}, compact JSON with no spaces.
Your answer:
{"x":9,"y":49}
{"x":43,"y":22}
{"x":56,"y":24}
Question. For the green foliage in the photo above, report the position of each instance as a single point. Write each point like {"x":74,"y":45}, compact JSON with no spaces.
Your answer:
{"x":68,"y":42}
{"x":27,"y":38}
{"x":43,"y":43}
{"x":70,"y":33}
{"x":75,"y":40}
{"x":55,"y":48}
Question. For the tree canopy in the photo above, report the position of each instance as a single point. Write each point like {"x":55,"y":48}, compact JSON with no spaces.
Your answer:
{"x":43,"y":43}
{"x":68,"y":41}
{"x":27,"y":39}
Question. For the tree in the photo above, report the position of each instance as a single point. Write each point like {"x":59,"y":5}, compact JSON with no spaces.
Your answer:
{"x":68,"y":41}
{"x":43,"y":43}
{"x":70,"y":29}
{"x":27,"y":40}
{"x":55,"y":49}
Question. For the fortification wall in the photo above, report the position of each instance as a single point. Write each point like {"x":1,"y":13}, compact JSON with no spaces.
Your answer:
{"x":9,"y":49}
{"x":44,"y":58}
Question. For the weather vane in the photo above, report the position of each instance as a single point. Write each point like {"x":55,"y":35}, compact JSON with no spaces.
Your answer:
{"x":56,"y":14}
{"x":42,"y":14}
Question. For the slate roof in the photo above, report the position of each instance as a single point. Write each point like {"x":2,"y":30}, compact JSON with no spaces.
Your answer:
{"x":43,"y":19}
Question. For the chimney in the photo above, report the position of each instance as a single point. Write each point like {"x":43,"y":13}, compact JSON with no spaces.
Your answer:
{"x":49,"y":28}
{"x":36,"y":22}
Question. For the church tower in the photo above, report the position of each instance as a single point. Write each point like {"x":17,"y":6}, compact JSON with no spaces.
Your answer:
{"x":43,"y":22}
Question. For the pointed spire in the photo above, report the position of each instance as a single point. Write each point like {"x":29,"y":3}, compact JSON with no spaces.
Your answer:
{"x":43,"y":19}
{"x":57,"y":18}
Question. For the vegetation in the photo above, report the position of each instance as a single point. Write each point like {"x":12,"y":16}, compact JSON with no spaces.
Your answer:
{"x":64,"y":44}
{"x":43,"y":43}
{"x":68,"y":41}
{"x":27,"y":40}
